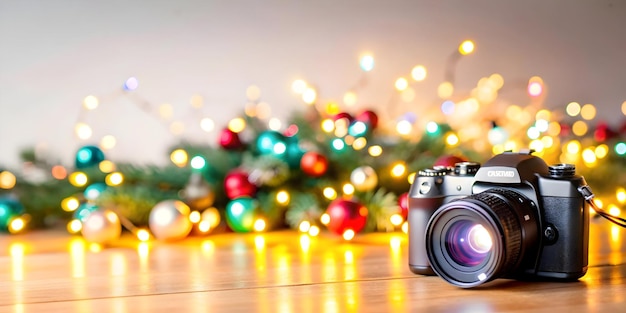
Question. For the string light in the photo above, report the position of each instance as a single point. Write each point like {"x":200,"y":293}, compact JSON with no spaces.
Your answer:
{"x":348,"y":234}
{"x":298,"y":86}
{"x":367,"y":62}
{"x":304,"y":226}
{"x":7,"y":180}
{"x":114,"y":179}
{"x":282,"y":197}
{"x":418,"y":73}
{"x":466,"y":47}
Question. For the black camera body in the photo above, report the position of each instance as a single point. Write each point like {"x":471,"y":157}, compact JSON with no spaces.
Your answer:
{"x":513,"y":217}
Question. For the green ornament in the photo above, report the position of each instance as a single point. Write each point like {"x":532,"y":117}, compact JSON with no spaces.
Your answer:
{"x":88,"y":156}
{"x":9,"y":209}
{"x":240,"y":214}
{"x":294,"y":153}
{"x":272,"y":143}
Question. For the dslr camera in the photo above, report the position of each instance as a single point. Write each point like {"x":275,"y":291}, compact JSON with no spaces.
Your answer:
{"x":514,"y":217}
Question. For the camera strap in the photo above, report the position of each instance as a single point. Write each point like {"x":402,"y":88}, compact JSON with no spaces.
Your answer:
{"x":586,"y":192}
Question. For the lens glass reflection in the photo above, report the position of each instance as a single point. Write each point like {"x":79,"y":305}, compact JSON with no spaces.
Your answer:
{"x":468,"y":243}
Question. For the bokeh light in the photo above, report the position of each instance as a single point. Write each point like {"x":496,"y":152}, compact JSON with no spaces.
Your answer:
{"x":588,"y":111}
{"x":466,"y":47}
{"x":90,"y":102}
{"x":418,"y":73}
{"x":445,"y":90}
{"x":298,"y":86}
{"x":572,"y":109}
{"x":131,"y":84}
{"x":7,"y":180}
{"x":367,"y":62}
{"x":237,"y":125}
{"x":401,"y":84}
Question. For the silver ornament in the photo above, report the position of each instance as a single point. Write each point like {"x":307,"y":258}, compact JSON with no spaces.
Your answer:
{"x":169,"y":220}
{"x":364,"y":178}
{"x":102,"y":226}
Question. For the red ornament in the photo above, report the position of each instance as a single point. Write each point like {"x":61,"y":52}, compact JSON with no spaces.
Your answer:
{"x":345,"y":215}
{"x":345,"y":115}
{"x":236,"y":184}
{"x":230,"y":140}
{"x":449,"y":160}
{"x":314,"y":164}
{"x":368,"y":117}
{"x":403,"y":203}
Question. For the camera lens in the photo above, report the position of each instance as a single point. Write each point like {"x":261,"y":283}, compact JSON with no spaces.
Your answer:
{"x":481,"y":237}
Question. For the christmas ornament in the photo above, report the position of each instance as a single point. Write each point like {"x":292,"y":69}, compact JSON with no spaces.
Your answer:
{"x":294,"y":152}
{"x":272,"y":143}
{"x":84,"y":210}
{"x":9,"y":209}
{"x":364,"y":178}
{"x":169,"y":220}
{"x":267,"y":170}
{"x":449,"y":160}
{"x":197,"y":193}
{"x":93,"y":191}
{"x":101,"y":226}
{"x":314,"y":164}
{"x":403,"y":203}
{"x":229,"y":140}
{"x":237,"y":184}
{"x":368,"y":117}
{"x":344,"y":115}
{"x":240,"y":214}
{"x":88,"y":156}
{"x":346,"y":215}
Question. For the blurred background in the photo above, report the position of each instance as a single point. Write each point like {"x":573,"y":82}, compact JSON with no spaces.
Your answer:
{"x":195,"y":61}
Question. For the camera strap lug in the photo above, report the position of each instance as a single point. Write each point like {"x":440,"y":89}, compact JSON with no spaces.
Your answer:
{"x":586,"y":192}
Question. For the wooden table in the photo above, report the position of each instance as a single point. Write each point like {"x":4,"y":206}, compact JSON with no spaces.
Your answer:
{"x":51,"y":271}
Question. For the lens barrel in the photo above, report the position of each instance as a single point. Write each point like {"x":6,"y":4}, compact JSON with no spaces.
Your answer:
{"x":481,"y":237}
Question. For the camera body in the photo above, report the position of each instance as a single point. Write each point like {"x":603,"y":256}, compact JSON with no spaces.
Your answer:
{"x":513,"y":217}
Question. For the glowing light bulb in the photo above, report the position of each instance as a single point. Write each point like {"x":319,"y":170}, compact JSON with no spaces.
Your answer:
{"x":7,"y":180}
{"x":298,"y":86}
{"x":304,"y":226}
{"x":396,"y":219}
{"x":350,"y":98}
{"x":330,"y":193}
{"x":259,"y":225}
{"x":253,"y":93}
{"x":445,"y":90}
{"x":419,"y":73}
{"x":78,"y":179}
{"x":314,"y":231}
{"x":237,"y":125}
{"x":401,"y":84}
{"x":348,"y":234}
{"x":179,"y":157}
{"x":207,"y":124}
{"x":197,"y":162}
{"x":398,"y":170}
{"x":143,"y":235}
{"x":325,"y":219}
{"x":466,"y":47}
{"x":309,"y":95}
{"x":194,"y":217}
{"x":282,"y":197}
{"x":90,"y":102}
{"x":404,"y":127}
{"x":572,"y":109}
{"x":348,"y":189}
{"x":114,"y":179}
{"x":16,"y":225}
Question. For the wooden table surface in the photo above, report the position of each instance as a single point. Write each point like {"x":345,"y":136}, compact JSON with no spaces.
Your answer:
{"x":51,"y":271}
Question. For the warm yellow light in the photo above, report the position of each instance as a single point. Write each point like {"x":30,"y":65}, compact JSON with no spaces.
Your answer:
{"x":58,"y":172}
{"x":588,"y":111}
{"x":348,"y":189}
{"x":325,"y":219}
{"x":142,"y":235}
{"x":572,"y":109}
{"x":398,"y":170}
{"x":359,"y":143}
{"x":620,"y":194}
{"x":408,"y":95}
{"x":78,"y":179}
{"x":259,"y":225}
{"x":114,"y":179}
{"x":348,"y":234}
{"x":452,"y":140}
{"x":70,"y":204}
{"x":496,"y":80}
{"x":624,"y":107}
{"x":350,"y":98}
{"x":598,"y":202}
{"x":396,"y":219}
{"x":304,"y":226}
{"x":16,"y":225}
{"x":314,"y":231}
{"x":263,"y":110}
{"x":106,"y":166}
{"x":83,"y":131}
{"x":375,"y":150}
{"x":7,"y":180}
{"x":90,"y":102}
{"x":401,"y":84}
{"x":74,"y":226}
{"x":108,"y":142}
{"x":282,"y":197}
{"x":579,"y":128}
{"x":328,"y":125}
{"x":166,"y":111}
{"x":536,"y":145}
{"x":419,"y":73}
{"x":195,"y":217}
{"x":405,"y":227}
{"x":298,"y":86}
{"x":466,"y":47}
{"x":614,"y":210}
{"x":237,"y":125}
{"x":602,"y":151}
{"x":204,"y":226}
{"x":309,"y":95}
{"x":411,"y":177}
{"x":329,"y":193}
{"x":179,"y":157}
{"x":589,"y":156}
{"x":404,"y":127}
{"x":445,"y":90}
{"x":207,"y":124}
{"x":573,"y":147}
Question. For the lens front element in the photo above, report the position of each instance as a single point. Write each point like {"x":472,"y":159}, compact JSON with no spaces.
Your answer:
{"x":481,"y":237}
{"x":468,"y":243}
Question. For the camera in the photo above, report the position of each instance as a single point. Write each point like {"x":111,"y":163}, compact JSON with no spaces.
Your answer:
{"x":513,"y":217}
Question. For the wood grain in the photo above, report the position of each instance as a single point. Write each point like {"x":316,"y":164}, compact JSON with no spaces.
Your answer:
{"x":50,"y":271}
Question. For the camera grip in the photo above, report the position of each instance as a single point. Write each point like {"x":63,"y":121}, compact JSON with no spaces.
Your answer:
{"x":418,"y":218}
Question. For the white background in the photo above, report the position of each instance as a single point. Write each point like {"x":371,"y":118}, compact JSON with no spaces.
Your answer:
{"x":54,"y":53}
